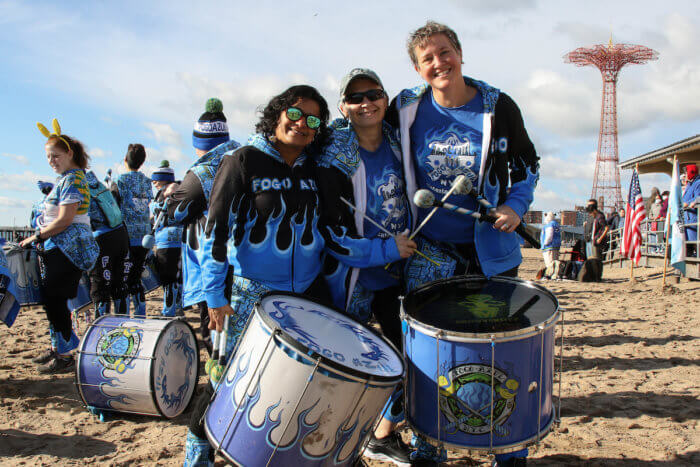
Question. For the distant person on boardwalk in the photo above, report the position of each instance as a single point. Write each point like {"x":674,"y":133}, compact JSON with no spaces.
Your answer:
{"x":550,"y":239}
{"x":596,"y":230}
{"x":690,"y":202}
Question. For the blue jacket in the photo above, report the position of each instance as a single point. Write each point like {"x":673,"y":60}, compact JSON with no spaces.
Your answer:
{"x":264,"y":222}
{"x":691,"y":193}
{"x":342,"y":173}
{"x":555,"y":243}
{"x":188,"y":207}
{"x":135,"y":195}
{"x":508,"y":173}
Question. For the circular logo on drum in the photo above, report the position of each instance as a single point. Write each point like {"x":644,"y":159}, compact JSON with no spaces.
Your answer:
{"x":466,"y":394}
{"x":117,"y":348}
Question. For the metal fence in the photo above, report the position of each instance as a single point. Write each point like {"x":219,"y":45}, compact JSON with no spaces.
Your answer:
{"x":15,"y":234}
{"x":654,"y":240}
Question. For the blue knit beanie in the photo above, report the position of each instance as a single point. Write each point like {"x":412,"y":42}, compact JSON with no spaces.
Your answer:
{"x":211,"y":129}
{"x":163,"y":173}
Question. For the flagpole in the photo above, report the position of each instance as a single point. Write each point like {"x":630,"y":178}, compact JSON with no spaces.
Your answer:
{"x":636,"y":168}
{"x":667,"y":230}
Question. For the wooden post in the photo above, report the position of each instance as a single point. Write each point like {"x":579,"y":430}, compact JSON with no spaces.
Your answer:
{"x":667,"y":231}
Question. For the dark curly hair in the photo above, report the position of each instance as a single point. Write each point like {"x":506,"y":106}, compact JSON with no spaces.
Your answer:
{"x":80,"y":157}
{"x":270,"y":115}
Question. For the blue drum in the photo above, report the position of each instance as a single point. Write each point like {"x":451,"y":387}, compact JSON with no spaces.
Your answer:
{"x":304,"y":387}
{"x":23,"y":263}
{"x":142,"y":366}
{"x":480,"y":362}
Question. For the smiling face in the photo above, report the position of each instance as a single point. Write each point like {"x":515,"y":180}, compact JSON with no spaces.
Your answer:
{"x":367,"y":113}
{"x":59,"y":158}
{"x":296,"y":134}
{"x":439,"y":63}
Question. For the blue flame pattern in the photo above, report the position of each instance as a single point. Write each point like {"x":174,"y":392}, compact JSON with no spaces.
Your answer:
{"x":177,"y":342}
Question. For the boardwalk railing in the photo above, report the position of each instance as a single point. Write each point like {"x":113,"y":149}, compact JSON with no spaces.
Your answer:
{"x":654,"y":246}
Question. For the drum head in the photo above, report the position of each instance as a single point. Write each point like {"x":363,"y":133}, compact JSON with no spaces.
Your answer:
{"x":475,"y":304}
{"x":338,"y":339}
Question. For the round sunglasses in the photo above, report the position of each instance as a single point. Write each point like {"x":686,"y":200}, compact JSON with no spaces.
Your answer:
{"x":295,"y":114}
{"x":358,"y":97}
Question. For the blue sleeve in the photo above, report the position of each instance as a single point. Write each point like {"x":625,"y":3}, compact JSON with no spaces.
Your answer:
{"x":357,"y":251}
{"x":228,"y":188}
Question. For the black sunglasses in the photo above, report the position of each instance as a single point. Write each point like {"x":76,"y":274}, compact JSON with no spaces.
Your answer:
{"x":358,"y":97}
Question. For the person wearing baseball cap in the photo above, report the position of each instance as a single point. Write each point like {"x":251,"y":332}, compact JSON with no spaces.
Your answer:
{"x":361,"y":165}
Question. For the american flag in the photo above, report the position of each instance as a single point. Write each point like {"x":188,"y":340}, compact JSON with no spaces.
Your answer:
{"x":631,"y":246}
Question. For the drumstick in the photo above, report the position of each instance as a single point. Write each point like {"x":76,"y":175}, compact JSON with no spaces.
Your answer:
{"x":215,"y":353}
{"x":457,"y":183}
{"x":218,"y":368}
{"x":426,"y":199}
{"x":382,"y":228}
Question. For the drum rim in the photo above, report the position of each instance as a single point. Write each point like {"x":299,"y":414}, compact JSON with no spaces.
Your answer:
{"x":541,"y":434}
{"x":328,"y":363}
{"x":153,"y":369}
{"x":217,"y":445}
{"x":481,"y":337}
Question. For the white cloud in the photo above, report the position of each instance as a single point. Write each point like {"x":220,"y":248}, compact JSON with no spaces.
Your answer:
{"x":17,"y":158}
{"x":571,"y":168}
{"x":164,"y":133}
{"x":566,"y":108}
{"x":170,"y":153}
{"x":25,"y":181}
{"x":16,"y":203}
{"x":99,"y":153}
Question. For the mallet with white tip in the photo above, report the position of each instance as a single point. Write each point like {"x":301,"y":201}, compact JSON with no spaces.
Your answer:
{"x":457,"y":184}
{"x":426,"y":199}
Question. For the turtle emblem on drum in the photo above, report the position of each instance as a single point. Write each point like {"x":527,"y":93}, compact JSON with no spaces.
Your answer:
{"x":484,"y":306}
{"x":118,"y":348}
{"x":466,"y":395}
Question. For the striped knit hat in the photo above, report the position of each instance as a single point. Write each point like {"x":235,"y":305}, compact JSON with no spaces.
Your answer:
{"x":211,"y":129}
{"x":163,"y":173}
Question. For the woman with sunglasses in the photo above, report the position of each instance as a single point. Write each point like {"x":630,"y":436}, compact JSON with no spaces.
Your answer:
{"x":362,"y":165}
{"x":67,"y":246}
{"x":264,"y":225}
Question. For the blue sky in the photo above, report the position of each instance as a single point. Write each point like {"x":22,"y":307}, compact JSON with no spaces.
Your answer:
{"x":115,"y":73}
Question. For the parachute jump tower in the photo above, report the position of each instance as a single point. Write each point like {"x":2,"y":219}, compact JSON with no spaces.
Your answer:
{"x":609,"y":60}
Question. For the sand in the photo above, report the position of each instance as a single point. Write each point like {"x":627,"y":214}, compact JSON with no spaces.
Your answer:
{"x":631,"y":383}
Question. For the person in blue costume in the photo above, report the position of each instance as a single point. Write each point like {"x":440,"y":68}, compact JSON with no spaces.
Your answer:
{"x":690,"y":203}
{"x":550,"y":239}
{"x":168,"y":244}
{"x":188,"y":203}
{"x":264,"y":226}
{"x":107,"y":277}
{"x":362,"y":165}
{"x":134,"y":195}
{"x":37,"y":208}
{"x":66,"y":246}
{"x":455,"y":125}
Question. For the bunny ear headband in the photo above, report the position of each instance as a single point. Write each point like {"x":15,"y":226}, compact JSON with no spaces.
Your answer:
{"x":56,"y":131}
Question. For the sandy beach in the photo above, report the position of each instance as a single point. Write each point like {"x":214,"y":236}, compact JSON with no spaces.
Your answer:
{"x":631,"y":386}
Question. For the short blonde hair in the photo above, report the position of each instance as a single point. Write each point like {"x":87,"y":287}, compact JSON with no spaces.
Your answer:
{"x":420,"y":36}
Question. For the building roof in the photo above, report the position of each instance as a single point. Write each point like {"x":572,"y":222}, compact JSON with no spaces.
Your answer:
{"x":661,"y":160}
